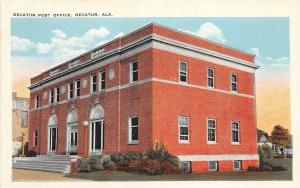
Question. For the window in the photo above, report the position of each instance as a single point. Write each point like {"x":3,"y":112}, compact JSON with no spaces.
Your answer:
{"x":210,"y":77}
{"x":70,"y":90}
{"x":133,"y":129}
{"x":57,"y":92}
{"x":213,"y":165}
{"x":77,"y":88}
{"x":234,"y":82}
{"x":185,"y":166}
{"x":37,"y":102}
{"x":24,"y":119}
{"x":183,"y":129}
{"x":93,"y":83}
{"x":235,"y":132}
{"x":211,"y":131}
{"x":237,"y":165}
{"x":35,"y":138}
{"x":102,"y":81}
{"x":51,"y":96}
{"x":182,"y":71}
{"x":133,"y":71}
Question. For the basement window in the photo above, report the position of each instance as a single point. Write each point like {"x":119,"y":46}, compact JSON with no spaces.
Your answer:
{"x":185,"y":166}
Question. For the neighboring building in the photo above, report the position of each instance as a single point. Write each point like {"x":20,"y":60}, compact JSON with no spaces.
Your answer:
{"x":196,"y":96}
{"x":20,"y":108}
{"x":263,"y":140}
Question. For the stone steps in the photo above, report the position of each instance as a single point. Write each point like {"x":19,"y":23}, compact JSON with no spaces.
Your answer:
{"x":44,"y":163}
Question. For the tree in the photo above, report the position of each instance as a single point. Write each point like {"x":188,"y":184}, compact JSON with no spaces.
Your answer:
{"x":280,"y":136}
{"x":260,"y":133}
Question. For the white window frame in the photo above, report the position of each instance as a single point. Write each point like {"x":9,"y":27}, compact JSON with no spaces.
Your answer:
{"x":70,"y":91}
{"x":92,"y":83}
{"x":240,"y":165}
{"x":131,"y":72}
{"x":211,"y":77}
{"x":130,"y":141}
{"x":213,"y":169}
{"x":102,"y":79}
{"x":76,"y":88}
{"x":37,"y":102}
{"x":238,"y":130}
{"x":179,"y":126}
{"x":208,"y":141}
{"x":188,"y":163}
{"x":232,"y":82}
{"x":50,"y":95}
{"x":181,"y":72}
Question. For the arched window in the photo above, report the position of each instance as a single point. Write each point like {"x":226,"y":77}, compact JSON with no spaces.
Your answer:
{"x":97,"y":112}
{"x":96,"y":135}
{"x":72,"y":117}
{"x":52,"y":133}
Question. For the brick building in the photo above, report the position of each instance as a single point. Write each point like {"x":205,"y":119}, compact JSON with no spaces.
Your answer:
{"x":20,"y":108}
{"x":156,"y":83}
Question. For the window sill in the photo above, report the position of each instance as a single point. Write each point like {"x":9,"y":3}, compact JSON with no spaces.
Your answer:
{"x":235,"y":143}
{"x":133,"y":142}
{"x":183,"y":142}
{"x":212,"y":143}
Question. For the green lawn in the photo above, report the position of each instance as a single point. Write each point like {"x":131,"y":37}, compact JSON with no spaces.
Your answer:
{"x":230,"y":176}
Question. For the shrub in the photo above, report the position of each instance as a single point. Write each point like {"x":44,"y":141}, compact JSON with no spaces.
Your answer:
{"x":83,"y":165}
{"x":110,"y":166}
{"x":166,"y":167}
{"x":289,"y":155}
{"x":275,"y":165}
{"x":125,"y":156}
{"x":252,"y":169}
{"x":150,"y":167}
{"x":31,"y":153}
{"x":134,"y":166}
{"x":106,"y":159}
{"x":96,"y":163}
{"x":159,"y":153}
{"x":265,"y":168}
{"x":279,"y":156}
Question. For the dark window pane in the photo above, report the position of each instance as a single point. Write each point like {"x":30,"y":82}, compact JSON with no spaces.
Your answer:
{"x":134,"y":66}
{"x":233,"y":78}
{"x":183,"y":78}
{"x":184,"y":131}
{"x":210,"y":73}
{"x":134,"y":131}
{"x":135,"y":76}
{"x":53,"y":138}
{"x":233,"y":87}
{"x":134,"y":121}
{"x":210,"y":82}
{"x":93,"y":128}
{"x":98,"y":136}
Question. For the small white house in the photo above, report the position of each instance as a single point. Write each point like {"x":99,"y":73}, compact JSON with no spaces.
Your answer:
{"x":263,"y":140}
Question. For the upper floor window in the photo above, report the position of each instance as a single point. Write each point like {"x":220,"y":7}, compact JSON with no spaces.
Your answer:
{"x":77,"y":88}
{"x":37,"y":102}
{"x":234,"y":82}
{"x":133,"y":72}
{"x":235,"y":131}
{"x":57,"y":93}
{"x":36,"y":134}
{"x":183,"y":125}
{"x":210,"y":77}
{"x":182,"y":71}
{"x":102,"y":81}
{"x":93,"y":84}
{"x":211,"y":131}
{"x":51,"y":96}
{"x":133,"y":135}
{"x":70,"y":90}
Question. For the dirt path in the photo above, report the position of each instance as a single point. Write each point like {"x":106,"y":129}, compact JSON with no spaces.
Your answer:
{"x":33,"y":175}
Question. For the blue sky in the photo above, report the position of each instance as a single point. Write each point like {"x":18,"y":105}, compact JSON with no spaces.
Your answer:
{"x":42,"y":43}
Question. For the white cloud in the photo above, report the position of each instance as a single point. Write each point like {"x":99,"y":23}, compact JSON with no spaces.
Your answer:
{"x":209,"y":31}
{"x":43,"y":48}
{"x":93,"y":33}
{"x":59,"y":34}
{"x":121,"y":34}
{"x":21,"y":44}
{"x":255,"y":51}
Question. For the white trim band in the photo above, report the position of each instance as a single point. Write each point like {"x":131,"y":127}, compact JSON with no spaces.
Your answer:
{"x":222,"y":157}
